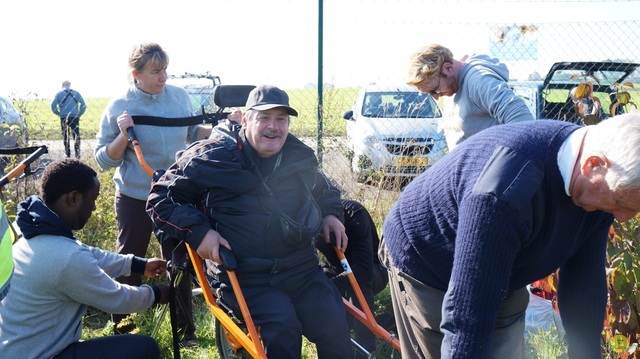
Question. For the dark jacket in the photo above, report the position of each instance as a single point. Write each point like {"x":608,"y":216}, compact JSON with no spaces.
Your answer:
{"x":216,"y":184}
{"x":35,"y":218}
{"x":68,"y":103}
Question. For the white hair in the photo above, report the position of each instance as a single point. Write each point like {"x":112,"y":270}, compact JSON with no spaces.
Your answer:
{"x":618,"y":139}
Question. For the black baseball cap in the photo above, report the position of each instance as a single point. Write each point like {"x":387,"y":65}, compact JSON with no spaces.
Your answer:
{"x":266,"y":97}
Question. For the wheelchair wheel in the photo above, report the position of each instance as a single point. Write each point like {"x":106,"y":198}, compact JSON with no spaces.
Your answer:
{"x":359,"y":352}
{"x":228,"y":350}
{"x":383,"y":350}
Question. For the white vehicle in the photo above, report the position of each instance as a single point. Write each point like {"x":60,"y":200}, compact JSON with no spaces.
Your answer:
{"x":13,"y":128}
{"x":200,"y":88}
{"x":393,"y":131}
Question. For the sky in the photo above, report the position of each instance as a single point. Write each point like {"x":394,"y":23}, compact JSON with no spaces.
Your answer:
{"x":248,"y":41}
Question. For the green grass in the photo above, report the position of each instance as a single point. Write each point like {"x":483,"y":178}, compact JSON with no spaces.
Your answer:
{"x":336,"y":101}
{"x":45,"y":125}
{"x":545,"y":345}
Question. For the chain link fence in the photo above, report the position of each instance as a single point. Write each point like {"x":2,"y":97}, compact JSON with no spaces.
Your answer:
{"x":379,"y":37}
{"x":560,"y":32}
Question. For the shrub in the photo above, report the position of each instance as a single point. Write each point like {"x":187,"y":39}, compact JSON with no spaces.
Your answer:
{"x":623,"y":267}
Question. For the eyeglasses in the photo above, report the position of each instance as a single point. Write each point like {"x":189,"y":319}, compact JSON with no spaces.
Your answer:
{"x":436,"y":91}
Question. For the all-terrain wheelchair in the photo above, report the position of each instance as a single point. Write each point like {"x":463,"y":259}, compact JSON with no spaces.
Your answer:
{"x":236,"y":334}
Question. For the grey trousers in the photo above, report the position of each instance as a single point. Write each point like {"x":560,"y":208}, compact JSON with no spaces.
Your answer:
{"x":418,"y":313}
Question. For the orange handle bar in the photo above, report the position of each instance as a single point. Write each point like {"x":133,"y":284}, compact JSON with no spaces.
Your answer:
{"x":22,"y":165}
{"x":365,"y":316}
{"x":136,"y":148}
{"x":252,"y":343}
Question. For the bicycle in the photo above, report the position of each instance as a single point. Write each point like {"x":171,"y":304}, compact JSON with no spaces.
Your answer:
{"x":236,"y":334}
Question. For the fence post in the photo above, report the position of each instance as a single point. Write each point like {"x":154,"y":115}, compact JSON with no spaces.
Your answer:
{"x":319,"y":150}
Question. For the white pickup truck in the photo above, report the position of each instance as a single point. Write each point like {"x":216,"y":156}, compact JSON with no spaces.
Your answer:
{"x":200,"y":88}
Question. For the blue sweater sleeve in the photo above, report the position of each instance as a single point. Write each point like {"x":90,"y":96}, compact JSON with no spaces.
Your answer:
{"x":582,"y":289}
{"x":485,"y":250}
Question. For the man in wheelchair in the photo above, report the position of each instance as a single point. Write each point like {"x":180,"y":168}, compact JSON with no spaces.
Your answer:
{"x":256,"y":190}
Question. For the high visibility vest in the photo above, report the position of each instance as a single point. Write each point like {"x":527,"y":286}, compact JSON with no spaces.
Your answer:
{"x":6,"y":259}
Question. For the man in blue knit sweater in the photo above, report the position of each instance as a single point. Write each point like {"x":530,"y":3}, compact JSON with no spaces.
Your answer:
{"x":509,"y":206}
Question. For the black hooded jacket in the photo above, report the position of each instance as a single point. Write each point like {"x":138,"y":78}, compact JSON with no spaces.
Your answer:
{"x":216,"y":184}
{"x":34,"y":218}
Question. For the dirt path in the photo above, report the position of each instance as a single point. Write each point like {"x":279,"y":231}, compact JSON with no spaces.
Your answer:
{"x":55,"y":148}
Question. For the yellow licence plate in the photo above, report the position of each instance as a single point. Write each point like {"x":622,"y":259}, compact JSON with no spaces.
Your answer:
{"x":412,"y":161}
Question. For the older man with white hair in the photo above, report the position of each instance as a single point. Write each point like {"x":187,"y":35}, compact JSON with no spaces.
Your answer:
{"x":509,"y":206}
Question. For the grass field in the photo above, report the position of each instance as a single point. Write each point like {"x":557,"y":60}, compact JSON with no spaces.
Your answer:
{"x":44,"y":125}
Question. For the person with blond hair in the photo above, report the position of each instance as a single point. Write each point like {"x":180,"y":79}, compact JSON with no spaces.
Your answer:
{"x":478,"y":83}
{"x":148,"y":95}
